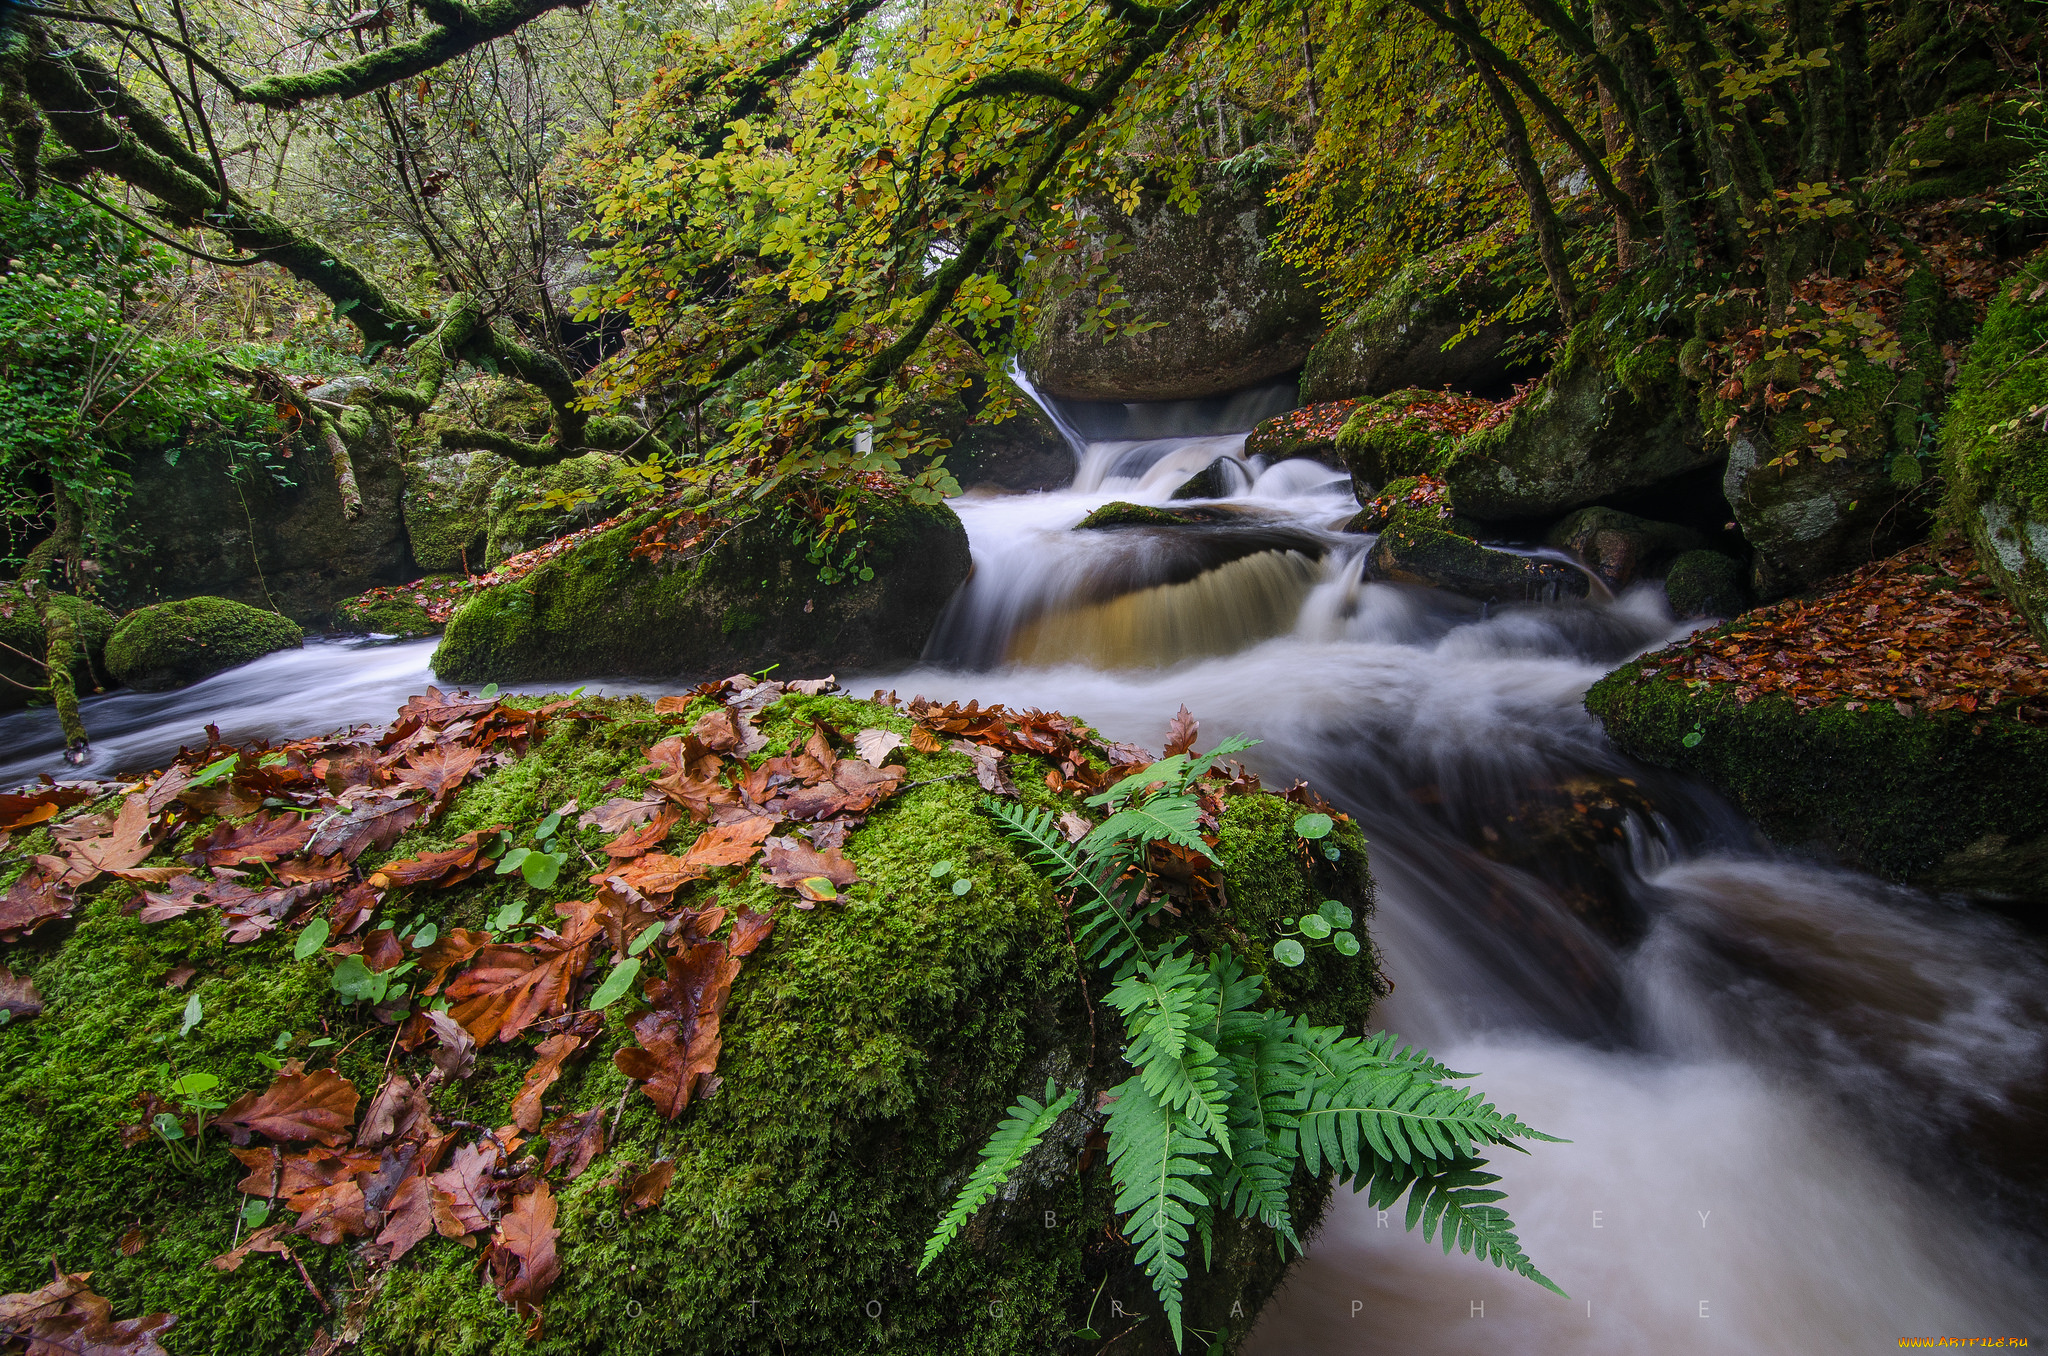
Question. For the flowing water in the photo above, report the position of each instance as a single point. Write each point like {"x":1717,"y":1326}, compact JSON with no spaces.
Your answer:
{"x":1808,"y":1112}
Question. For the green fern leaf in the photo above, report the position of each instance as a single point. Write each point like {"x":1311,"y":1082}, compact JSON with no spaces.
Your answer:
{"x":1164,"y":1004}
{"x":1017,"y":1136}
{"x":1173,"y":819}
{"x":1459,"y":1201}
{"x":1155,"y":1159}
{"x":1106,"y":904}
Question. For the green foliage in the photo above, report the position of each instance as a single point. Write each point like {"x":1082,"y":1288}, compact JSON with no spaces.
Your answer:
{"x":1005,"y":1151}
{"x":1231,"y":1094}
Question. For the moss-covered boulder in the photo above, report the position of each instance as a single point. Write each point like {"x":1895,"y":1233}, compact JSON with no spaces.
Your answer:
{"x":1398,"y":436}
{"x":1413,"y":550}
{"x":1620,"y":547}
{"x":531,"y":506}
{"x":735,"y":597}
{"x":1994,"y":453}
{"x":23,"y":642}
{"x":1309,"y":432}
{"x":1947,"y":802}
{"x":1236,"y":313}
{"x":869,"y":1046}
{"x":168,"y":645}
{"x":1706,"y":584}
{"x":1220,"y":479}
{"x":386,"y":612}
{"x":1123,"y":513}
{"x":1396,"y":338}
{"x":1612,"y":416}
{"x":1962,"y":150}
{"x":447,"y":509}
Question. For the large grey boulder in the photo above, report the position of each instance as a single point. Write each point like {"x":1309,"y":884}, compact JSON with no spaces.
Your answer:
{"x":1235,"y":313}
{"x":1396,"y":337}
{"x":1810,"y":519}
{"x":1620,"y":547}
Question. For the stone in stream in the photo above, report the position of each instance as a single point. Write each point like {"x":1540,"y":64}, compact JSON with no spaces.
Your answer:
{"x":1706,"y":584}
{"x":1123,"y":513}
{"x":1620,"y":547}
{"x":665,"y":596}
{"x":167,"y":645}
{"x":1235,"y":313}
{"x":1220,"y":479}
{"x":1410,"y":552}
{"x":23,"y":641}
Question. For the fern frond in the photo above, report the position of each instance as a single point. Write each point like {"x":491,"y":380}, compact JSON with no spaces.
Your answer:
{"x":1109,"y":915}
{"x":1172,"y":819}
{"x":1173,"y":771}
{"x":1155,"y":1158}
{"x":1017,"y":1136}
{"x":1459,"y":1200}
{"x":1164,"y":1004}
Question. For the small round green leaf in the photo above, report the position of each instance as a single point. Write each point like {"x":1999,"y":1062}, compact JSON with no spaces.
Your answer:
{"x":1289,"y":952}
{"x":311,"y":939}
{"x":616,"y":984}
{"x":1338,"y":914}
{"x":427,"y":935}
{"x":192,"y":1084}
{"x":255,"y":1212}
{"x":1692,"y":741}
{"x":167,"y":1125}
{"x":193,"y":1014}
{"x":1330,"y":852}
{"x":543,"y":869}
{"x":511,"y":861}
{"x":1344,"y":944}
{"x":1313,"y":926}
{"x":1314,"y":826}
{"x":941,"y":869}
{"x":962,"y":886}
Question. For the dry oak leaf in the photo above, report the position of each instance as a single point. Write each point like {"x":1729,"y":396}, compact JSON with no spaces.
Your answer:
{"x":447,"y":951}
{"x":371,"y":824}
{"x":65,"y":1318}
{"x":679,"y":1040}
{"x":749,"y":930}
{"x":270,"y":1238}
{"x":382,"y":950}
{"x":522,"y":1257}
{"x":262,"y":839}
{"x":549,"y":1056}
{"x":439,"y":771}
{"x":465,"y":1197}
{"x":450,"y":867}
{"x":274,"y":1173}
{"x":409,"y":1217}
{"x":729,"y":844}
{"x":645,"y":1190}
{"x":189,"y":892}
{"x":20,"y":810}
{"x":436,"y":709}
{"x":634,"y":842}
{"x":575,"y":1140}
{"x":313,"y":1107}
{"x":656,"y":876}
{"x":398,"y":1111}
{"x":875,"y":746}
{"x":622,"y":812}
{"x":333,"y":1214}
{"x":1181,"y":732}
{"x":18,"y":996}
{"x":509,"y":987}
{"x":37,"y":896}
{"x":108,"y":842}
{"x":626,"y":912}
{"x":789,"y":863}
{"x":456,"y":1055}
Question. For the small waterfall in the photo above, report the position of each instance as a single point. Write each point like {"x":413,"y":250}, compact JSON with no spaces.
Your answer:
{"x":1217,"y":612}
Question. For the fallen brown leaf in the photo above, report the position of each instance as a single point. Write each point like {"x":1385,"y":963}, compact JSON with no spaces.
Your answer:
{"x":575,"y":1140}
{"x":522,"y":1257}
{"x":549,"y":1056}
{"x":18,"y":996}
{"x":645,"y":1191}
{"x":297,"y":1107}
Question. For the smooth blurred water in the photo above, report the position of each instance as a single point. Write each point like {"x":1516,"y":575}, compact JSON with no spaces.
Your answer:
{"x":1808,"y":1111}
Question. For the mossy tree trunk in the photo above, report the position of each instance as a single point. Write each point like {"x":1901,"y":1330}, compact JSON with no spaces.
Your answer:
{"x":60,"y":636}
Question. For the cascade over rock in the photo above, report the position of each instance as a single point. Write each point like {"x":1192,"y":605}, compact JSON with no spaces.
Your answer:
{"x":744,"y":600}
{"x":1234,"y":313}
{"x":1396,"y":337}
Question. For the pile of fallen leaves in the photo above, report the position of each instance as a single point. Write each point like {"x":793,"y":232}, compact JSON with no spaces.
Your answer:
{"x":1922,"y":630}
{"x":273,"y":837}
{"x":1427,"y":494}
{"x":1308,"y":424}
{"x":1446,"y":412}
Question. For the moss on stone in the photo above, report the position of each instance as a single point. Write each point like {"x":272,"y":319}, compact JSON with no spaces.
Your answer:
{"x":21,"y":636}
{"x":531,"y":506}
{"x":447,"y":508}
{"x":870,"y":1046}
{"x":1959,"y":151}
{"x":1993,"y":451}
{"x":1122,"y":513}
{"x":168,"y":645}
{"x":1413,"y":549}
{"x":1706,"y":584}
{"x":1396,"y":337}
{"x":384,"y":616}
{"x":1947,"y":802}
{"x":598,"y":610}
{"x":1381,"y":442}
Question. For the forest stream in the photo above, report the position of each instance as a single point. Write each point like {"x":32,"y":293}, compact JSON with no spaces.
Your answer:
{"x":1798,"y":1099}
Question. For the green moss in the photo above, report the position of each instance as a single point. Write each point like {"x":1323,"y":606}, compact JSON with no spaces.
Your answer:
{"x":384,"y":616}
{"x":1121,"y":513}
{"x":447,"y":499}
{"x":1381,"y":443}
{"x":1705,"y":584}
{"x":1415,"y":549}
{"x":598,"y":610}
{"x":21,"y":635}
{"x":1960,"y":151}
{"x":531,"y":506}
{"x":169,"y":645}
{"x":1948,"y":802}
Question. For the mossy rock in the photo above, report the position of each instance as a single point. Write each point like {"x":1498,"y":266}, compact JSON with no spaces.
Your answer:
{"x":384,"y":615}
{"x":1993,"y":452}
{"x":1412,"y":549}
{"x":1383,"y":442}
{"x":1961,"y":151}
{"x":1026,"y":451}
{"x":1946,"y":802}
{"x":870,"y":1045}
{"x":531,"y":506}
{"x":1123,"y":513}
{"x":1706,"y":584}
{"x":749,"y":600}
{"x":1308,"y":433}
{"x":1611,"y":417}
{"x":168,"y":645}
{"x":1620,"y":547}
{"x":447,"y":508}
{"x":1220,"y":479}
{"x":21,"y":635}
{"x":1396,"y":338}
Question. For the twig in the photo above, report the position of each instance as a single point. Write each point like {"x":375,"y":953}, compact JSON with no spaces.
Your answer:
{"x":311,"y":1289}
